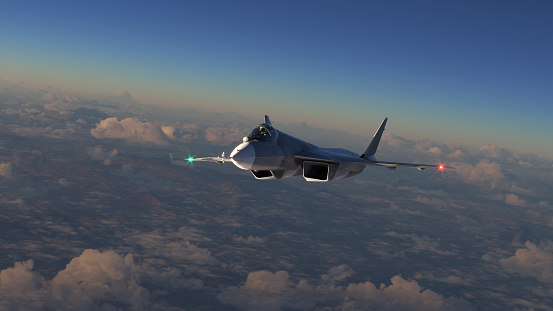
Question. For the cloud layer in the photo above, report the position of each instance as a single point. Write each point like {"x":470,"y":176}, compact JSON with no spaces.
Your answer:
{"x":265,"y":290}
{"x":198,"y":233}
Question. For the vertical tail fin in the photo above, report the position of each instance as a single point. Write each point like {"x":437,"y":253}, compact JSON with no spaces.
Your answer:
{"x":267,"y":120}
{"x":371,"y":149}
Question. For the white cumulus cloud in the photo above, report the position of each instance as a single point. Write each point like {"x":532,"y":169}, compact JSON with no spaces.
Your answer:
{"x":458,"y":154}
{"x":130,"y":129}
{"x":493,"y":151}
{"x":435,"y":150}
{"x":400,"y":295}
{"x":483,"y":171}
{"x":534,"y":260}
{"x":168,"y":131}
{"x":513,"y":199}
{"x":177,"y":246}
{"x":93,"y":281}
{"x":225,"y":136}
{"x":97,"y":153}
{"x":265,"y":290}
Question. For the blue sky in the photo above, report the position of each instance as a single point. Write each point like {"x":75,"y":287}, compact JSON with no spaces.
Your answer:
{"x":469,"y":72}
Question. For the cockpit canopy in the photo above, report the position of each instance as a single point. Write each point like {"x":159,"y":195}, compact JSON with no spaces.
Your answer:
{"x":263,"y":132}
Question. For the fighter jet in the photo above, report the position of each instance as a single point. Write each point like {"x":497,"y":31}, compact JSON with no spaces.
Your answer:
{"x":271,"y":154}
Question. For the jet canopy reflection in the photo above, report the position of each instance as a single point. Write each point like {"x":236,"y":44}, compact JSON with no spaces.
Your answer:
{"x":263,"y":132}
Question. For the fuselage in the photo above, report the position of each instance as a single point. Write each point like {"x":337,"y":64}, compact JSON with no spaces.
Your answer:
{"x":272,"y":154}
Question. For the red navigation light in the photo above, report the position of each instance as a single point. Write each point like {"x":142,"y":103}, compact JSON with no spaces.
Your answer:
{"x":440,"y":168}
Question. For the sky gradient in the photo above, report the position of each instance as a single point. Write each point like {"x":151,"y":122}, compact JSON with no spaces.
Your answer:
{"x":466,"y":72}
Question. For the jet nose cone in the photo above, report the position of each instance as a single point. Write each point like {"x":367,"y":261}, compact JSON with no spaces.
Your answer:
{"x":243,"y":156}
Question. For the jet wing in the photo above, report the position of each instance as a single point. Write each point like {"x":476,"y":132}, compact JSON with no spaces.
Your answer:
{"x":220,"y":159}
{"x":327,"y":157}
{"x":392,"y":165}
{"x":330,"y":157}
{"x":213,"y":159}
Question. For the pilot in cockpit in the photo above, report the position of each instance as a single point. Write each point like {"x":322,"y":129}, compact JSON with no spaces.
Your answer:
{"x":263,"y":132}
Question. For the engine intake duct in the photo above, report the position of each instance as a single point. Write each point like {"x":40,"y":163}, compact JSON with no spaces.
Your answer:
{"x":267,"y":175}
{"x":318,"y":171}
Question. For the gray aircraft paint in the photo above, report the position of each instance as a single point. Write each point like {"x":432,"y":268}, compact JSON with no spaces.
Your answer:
{"x":271,"y":154}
